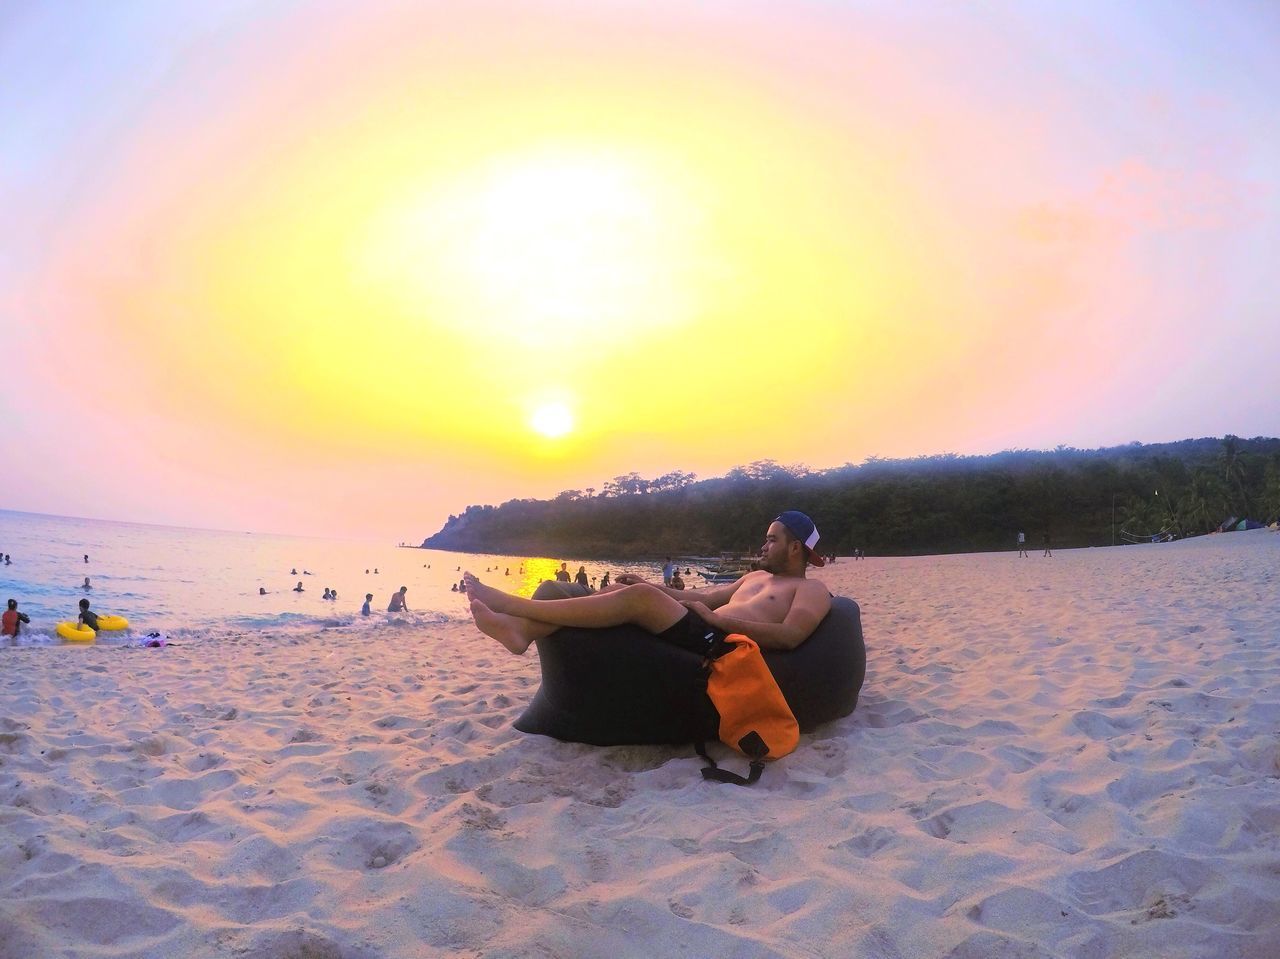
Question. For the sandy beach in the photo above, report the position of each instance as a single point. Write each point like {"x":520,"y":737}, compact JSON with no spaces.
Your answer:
{"x":1073,"y":756}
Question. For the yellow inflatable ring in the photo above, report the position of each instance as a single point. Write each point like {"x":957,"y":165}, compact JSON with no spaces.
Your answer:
{"x":76,"y":633}
{"x":112,"y":622}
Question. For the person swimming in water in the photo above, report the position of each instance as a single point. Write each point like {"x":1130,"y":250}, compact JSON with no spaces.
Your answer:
{"x":365,"y":610}
{"x":298,"y":588}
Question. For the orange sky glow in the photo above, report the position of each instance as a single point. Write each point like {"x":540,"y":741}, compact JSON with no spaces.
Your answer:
{"x":347,"y":269}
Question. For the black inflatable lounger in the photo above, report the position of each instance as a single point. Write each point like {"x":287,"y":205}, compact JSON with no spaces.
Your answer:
{"x":618,"y":686}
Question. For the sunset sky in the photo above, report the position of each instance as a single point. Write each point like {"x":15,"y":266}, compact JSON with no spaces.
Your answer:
{"x":345,"y":268}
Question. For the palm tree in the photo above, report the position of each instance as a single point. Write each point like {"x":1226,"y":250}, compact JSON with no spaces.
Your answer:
{"x":1232,"y":459}
{"x":1199,"y":506}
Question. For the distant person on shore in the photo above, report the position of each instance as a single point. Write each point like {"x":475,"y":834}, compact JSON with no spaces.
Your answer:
{"x":1048,"y":546}
{"x":581,"y":577}
{"x":398,"y":604}
{"x":298,"y":588}
{"x":668,"y":570}
{"x":676,"y":581}
{"x":775,"y":605}
{"x":604,"y":580}
{"x":11,"y":620}
{"x":1022,"y":544}
{"x":365,"y":610}
{"x":562,"y":574}
{"x":86,"y":584}
{"x":87,"y":616}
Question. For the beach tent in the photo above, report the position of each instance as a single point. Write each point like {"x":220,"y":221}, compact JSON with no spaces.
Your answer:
{"x":1248,"y":524}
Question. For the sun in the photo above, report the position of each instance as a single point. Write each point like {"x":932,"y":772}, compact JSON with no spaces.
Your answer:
{"x":552,"y":420}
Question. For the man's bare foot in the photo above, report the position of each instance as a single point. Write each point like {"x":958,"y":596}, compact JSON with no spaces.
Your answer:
{"x":510,"y":631}
{"x":491,"y":596}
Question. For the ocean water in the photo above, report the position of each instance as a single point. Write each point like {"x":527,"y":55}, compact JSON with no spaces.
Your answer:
{"x":194,"y":584}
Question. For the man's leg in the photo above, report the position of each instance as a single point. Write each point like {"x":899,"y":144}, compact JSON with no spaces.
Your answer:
{"x":516,"y":622}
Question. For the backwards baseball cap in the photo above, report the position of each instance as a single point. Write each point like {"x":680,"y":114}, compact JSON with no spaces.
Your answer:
{"x":802,"y":528}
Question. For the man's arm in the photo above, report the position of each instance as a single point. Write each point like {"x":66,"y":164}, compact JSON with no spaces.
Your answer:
{"x":713,"y":596}
{"x":811,"y":604}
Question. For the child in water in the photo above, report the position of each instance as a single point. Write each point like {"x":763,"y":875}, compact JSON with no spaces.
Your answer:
{"x":87,"y":616}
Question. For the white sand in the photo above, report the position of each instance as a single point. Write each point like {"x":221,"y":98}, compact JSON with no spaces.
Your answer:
{"x":1074,"y":757}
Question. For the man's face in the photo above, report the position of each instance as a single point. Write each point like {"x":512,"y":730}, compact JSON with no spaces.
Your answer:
{"x":775,"y":553}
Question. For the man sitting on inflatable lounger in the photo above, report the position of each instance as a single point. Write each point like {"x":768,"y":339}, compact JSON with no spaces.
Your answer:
{"x":775,"y":605}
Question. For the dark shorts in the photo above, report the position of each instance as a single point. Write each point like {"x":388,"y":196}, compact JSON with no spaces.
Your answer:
{"x":691,"y":632}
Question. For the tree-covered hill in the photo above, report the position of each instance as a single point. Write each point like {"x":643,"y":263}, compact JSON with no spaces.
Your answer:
{"x":931,"y":504}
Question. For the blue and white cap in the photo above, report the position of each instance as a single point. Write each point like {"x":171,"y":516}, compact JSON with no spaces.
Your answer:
{"x":802,"y":528}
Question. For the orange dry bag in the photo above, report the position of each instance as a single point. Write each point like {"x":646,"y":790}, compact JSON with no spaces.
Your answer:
{"x":754,"y":716}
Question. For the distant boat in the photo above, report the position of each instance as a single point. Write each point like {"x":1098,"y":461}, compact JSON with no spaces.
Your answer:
{"x":722,"y":576}
{"x":729,"y":568}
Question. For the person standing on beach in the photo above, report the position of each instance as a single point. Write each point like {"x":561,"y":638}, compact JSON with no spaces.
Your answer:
{"x":581,"y":577}
{"x":1022,"y":544}
{"x":11,"y":620}
{"x":668,"y":570}
{"x":604,"y":580}
{"x":562,"y":574}
{"x":775,"y":604}
{"x":398,"y":604}
{"x":1048,"y":548}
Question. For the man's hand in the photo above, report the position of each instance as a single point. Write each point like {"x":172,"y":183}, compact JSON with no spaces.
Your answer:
{"x":709,"y":616}
{"x":628,"y":579}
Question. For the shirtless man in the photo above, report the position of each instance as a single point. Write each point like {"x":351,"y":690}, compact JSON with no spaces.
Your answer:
{"x":775,"y":605}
